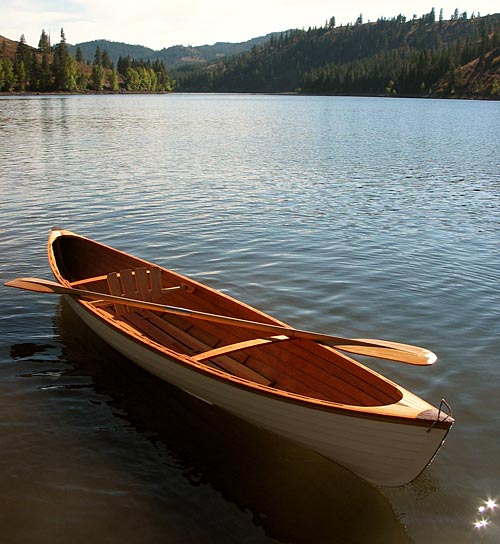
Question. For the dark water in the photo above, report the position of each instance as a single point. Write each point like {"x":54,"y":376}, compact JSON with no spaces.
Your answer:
{"x":360,"y":217}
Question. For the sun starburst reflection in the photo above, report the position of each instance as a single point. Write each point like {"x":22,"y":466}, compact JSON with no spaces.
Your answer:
{"x":491,"y":504}
{"x":486,"y":510}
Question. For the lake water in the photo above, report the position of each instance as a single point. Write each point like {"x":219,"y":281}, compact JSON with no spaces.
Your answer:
{"x":362,"y":217}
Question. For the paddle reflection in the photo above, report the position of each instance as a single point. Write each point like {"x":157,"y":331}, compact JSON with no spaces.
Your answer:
{"x":28,"y":349}
{"x":295,"y":495}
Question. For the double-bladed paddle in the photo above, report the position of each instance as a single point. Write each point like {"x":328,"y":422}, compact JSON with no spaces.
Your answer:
{"x":381,"y":349}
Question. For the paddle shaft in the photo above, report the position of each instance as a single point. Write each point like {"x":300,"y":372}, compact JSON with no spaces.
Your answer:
{"x":57,"y":288}
{"x":393,"y":351}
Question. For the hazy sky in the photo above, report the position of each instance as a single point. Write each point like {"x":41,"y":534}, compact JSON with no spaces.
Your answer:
{"x":162,"y":23}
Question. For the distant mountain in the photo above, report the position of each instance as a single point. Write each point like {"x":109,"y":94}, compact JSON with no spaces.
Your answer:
{"x":115,"y":50}
{"x":174,"y":56}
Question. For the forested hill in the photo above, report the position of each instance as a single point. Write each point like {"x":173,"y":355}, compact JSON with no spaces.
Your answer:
{"x":52,"y":68}
{"x":172,"y":56}
{"x":424,"y":56}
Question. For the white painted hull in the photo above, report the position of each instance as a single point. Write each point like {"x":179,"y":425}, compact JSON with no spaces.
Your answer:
{"x":383,"y":450}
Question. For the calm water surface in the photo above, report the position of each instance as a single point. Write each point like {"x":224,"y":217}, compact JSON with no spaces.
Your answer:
{"x":360,"y":217}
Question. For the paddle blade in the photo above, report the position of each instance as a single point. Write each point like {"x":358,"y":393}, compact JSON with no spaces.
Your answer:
{"x":395,"y":351}
{"x":35,"y":284}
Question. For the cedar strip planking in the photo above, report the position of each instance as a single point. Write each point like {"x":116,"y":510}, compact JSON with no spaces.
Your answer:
{"x":343,"y":369}
{"x":339,"y":368}
{"x":227,"y":363}
{"x":321,"y":381}
{"x":156,"y":334}
{"x":309,"y":385}
{"x":82,"y":256}
{"x":327,"y":370}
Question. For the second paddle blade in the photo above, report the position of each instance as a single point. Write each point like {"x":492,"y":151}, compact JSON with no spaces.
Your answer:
{"x":395,"y":351}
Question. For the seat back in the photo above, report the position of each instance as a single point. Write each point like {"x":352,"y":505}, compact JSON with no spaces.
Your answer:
{"x":140,"y":284}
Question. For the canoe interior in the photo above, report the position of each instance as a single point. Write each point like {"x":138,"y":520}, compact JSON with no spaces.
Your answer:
{"x":295,"y":365}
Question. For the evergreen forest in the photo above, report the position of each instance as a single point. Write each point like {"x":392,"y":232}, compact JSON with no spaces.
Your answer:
{"x":426,"y":56}
{"x":54,"y":69}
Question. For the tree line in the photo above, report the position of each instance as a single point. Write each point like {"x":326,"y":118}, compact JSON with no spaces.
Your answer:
{"x":421,"y":56}
{"x":54,"y":69}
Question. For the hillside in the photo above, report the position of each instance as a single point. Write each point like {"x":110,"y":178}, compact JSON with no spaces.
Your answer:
{"x":174,"y":56}
{"x":114,"y":49}
{"x":420,"y":57}
{"x":456,"y":58}
{"x":52,"y":68}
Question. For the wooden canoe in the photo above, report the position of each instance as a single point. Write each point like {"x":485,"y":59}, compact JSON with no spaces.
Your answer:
{"x":295,"y":387}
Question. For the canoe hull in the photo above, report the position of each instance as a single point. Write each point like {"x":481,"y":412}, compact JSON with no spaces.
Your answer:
{"x":384,"y":451}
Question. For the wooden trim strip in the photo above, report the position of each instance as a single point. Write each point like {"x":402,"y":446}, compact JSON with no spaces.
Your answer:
{"x":95,"y":279}
{"x":81,"y":283}
{"x":238,"y":346}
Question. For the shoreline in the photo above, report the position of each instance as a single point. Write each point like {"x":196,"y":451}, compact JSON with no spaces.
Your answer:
{"x":278,"y":93}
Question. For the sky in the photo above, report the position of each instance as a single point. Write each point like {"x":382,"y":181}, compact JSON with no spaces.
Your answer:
{"x":163,"y":23}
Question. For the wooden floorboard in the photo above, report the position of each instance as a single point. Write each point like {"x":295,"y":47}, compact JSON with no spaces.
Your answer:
{"x":168,"y":334}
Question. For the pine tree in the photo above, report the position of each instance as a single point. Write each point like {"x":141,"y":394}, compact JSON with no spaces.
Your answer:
{"x":106,"y":61}
{"x":98,"y":57}
{"x":45,"y":73}
{"x":63,"y":67}
{"x":22,"y":50}
{"x":44,"y":43}
{"x":113,"y":80}
{"x":7,"y":75}
{"x":35,"y":73}
{"x":21,"y":64}
{"x":20,"y":75}
{"x":97,"y":77}
{"x":79,"y":55}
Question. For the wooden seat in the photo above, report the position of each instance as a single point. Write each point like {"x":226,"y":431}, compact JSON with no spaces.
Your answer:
{"x":141,"y":284}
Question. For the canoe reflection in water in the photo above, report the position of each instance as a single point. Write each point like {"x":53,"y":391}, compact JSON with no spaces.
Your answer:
{"x":293,"y":494}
